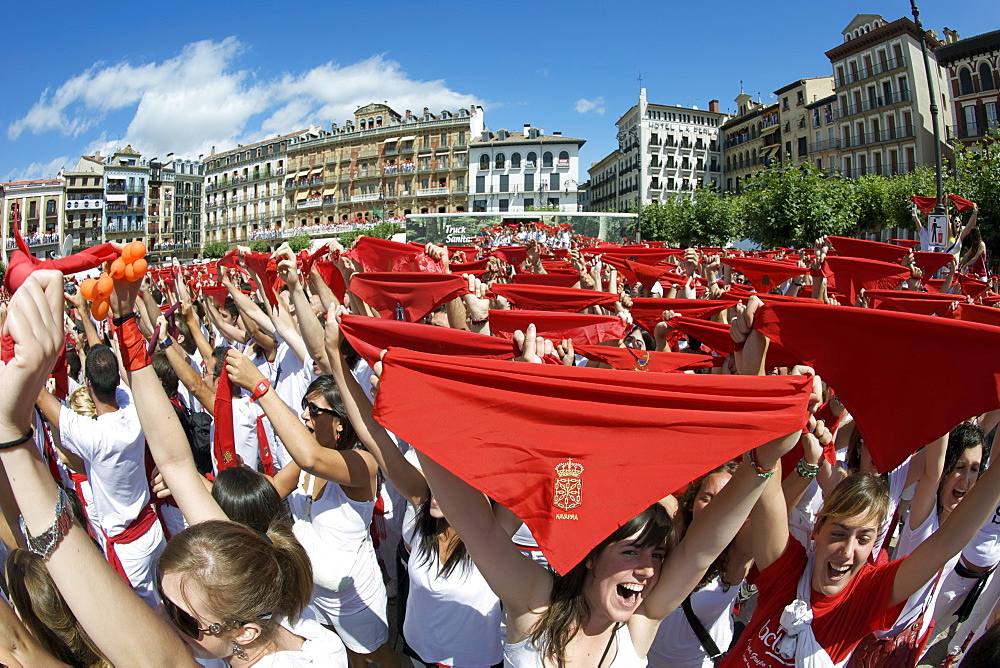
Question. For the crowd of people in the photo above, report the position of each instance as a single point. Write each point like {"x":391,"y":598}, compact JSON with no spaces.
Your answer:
{"x":549,"y":451}
{"x":316,"y":229}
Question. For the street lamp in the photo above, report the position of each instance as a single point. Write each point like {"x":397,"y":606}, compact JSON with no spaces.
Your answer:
{"x":939,"y":208}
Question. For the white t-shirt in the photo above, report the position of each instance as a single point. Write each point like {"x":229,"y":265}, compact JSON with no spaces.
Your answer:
{"x":322,"y":647}
{"x":677,"y":646}
{"x":112,"y":447}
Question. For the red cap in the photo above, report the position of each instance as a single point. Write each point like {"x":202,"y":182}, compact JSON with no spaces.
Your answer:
{"x":414,"y":293}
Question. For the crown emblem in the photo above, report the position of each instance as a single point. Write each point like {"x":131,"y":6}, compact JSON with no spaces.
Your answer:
{"x":641,"y":363}
{"x":568,"y":485}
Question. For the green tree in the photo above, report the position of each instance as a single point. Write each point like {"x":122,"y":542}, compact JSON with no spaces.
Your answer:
{"x":977,"y":178}
{"x":260,"y":246}
{"x":215,"y":249}
{"x":787,"y":205}
{"x":300,"y":242}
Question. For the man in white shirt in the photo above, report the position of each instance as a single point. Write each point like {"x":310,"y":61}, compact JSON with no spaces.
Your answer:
{"x":113,"y":450}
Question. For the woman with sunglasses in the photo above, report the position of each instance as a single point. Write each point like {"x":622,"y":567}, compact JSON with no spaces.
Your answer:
{"x":201,"y":576}
{"x":332,"y":499}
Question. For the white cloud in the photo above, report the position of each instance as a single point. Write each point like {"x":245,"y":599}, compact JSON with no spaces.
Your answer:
{"x":38,"y":170}
{"x":583,"y":105}
{"x":203,"y":97}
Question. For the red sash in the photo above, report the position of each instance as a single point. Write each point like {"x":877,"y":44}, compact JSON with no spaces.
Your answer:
{"x":266,"y":458}
{"x":133,"y":532}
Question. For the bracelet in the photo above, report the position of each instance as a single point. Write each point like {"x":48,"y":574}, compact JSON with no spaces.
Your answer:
{"x":805,"y":469}
{"x":118,"y":322}
{"x":45,"y":543}
{"x":18,"y":441}
{"x":477,"y":321}
{"x":761,"y":472}
{"x":166,"y":343}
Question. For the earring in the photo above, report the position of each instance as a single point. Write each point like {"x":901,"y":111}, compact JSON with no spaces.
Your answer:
{"x":239,"y":652}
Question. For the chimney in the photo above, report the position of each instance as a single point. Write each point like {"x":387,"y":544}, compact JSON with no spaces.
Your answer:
{"x":713,"y":106}
{"x":526,"y":128}
{"x":557,"y":134}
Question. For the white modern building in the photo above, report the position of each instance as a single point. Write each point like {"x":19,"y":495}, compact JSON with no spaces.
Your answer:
{"x":42,"y":215}
{"x":524,"y":171}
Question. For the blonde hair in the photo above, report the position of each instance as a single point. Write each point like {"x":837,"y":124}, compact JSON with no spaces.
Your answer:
{"x":80,"y":402}
{"x":862,"y":493}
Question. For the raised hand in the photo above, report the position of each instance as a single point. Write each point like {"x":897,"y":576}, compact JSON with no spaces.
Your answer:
{"x":533,"y":347}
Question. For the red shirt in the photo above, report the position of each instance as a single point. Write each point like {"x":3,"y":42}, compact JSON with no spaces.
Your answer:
{"x":839,"y":622}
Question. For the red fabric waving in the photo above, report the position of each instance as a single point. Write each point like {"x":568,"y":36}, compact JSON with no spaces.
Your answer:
{"x":764,"y":275}
{"x":414,"y":293}
{"x":306,"y":260}
{"x":879,"y":361}
{"x":939,"y":307}
{"x":510,"y":254}
{"x":628,"y":359}
{"x":648,"y":311}
{"x":716,"y":336}
{"x":23,"y":262}
{"x":370,"y":336}
{"x":332,"y":277}
{"x":577,"y":452}
{"x":971,"y":286}
{"x":925,"y":204}
{"x":216,"y":292}
{"x":464,"y":267}
{"x":384,"y":255}
{"x":581,"y":327}
{"x":552,"y":298}
{"x":560,"y":280}
{"x":930,"y":262}
{"x":224,"y":440}
{"x":266,"y":269}
{"x":906,"y":243}
{"x":913,"y":294}
{"x":961,"y":203}
{"x":230,"y":259}
{"x":870,"y":250}
{"x":647,"y":275}
{"x":986,"y":315}
{"x":850,"y":274}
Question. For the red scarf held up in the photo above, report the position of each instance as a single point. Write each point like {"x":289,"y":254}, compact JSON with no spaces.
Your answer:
{"x":332,"y":277}
{"x":851,"y":274}
{"x":647,"y":312}
{"x":716,"y":336}
{"x":266,"y":269}
{"x":581,"y":327}
{"x":411,"y":295}
{"x":370,"y":336}
{"x":628,"y":359}
{"x":217,"y":293}
{"x":551,"y":298}
{"x":878,"y":361}
{"x":510,"y":254}
{"x":930,"y":262}
{"x":558,"y":280}
{"x":971,"y":286}
{"x":384,"y":255}
{"x":986,"y":315}
{"x":224,"y":442}
{"x":870,"y":250}
{"x":647,"y":275}
{"x":764,"y":275}
{"x":939,"y":307}
{"x":576,"y":452}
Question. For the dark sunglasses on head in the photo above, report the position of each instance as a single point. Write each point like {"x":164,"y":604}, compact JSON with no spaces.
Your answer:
{"x":316,"y":410}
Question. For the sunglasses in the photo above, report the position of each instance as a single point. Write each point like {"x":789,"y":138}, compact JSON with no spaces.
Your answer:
{"x":184,"y":622}
{"x":316,"y":410}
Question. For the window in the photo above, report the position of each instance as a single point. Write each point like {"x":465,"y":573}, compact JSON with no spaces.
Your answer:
{"x":803,"y":150}
{"x":969,"y":117}
{"x":564,"y":158}
{"x":554,"y":181}
{"x":504,"y":183}
{"x":500,"y":162}
{"x":461,"y":138}
{"x":531,"y":160}
{"x":992,"y":123}
{"x":529,"y":182}
{"x":484,"y":161}
{"x":426,"y":142}
{"x":515,"y":160}
{"x":965,"y":82}
{"x":986,"y":77}
{"x":547,"y":159}
{"x":554,"y":201}
{"x":480,"y":185}
{"x":529,"y":202}
{"x":800,"y":98}
{"x":505,"y":205}
{"x":479,"y":205}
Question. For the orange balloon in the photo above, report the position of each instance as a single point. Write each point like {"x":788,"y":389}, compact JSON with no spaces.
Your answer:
{"x":118,"y":268}
{"x":87,"y":288}
{"x":105,"y":286}
{"x":130,"y":272}
{"x":138,"y":268}
{"x":138,"y":250}
{"x":99,"y":309}
{"x":127,"y":254}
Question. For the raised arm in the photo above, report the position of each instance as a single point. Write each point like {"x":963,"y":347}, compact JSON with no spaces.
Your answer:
{"x":349,"y":468}
{"x":190,"y":316}
{"x":925,"y":497}
{"x":309,"y":326}
{"x":118,"y":621}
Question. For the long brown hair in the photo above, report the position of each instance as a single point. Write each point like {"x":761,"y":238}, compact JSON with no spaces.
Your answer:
{"x":244,"y":576}
{"x":721,"y":563}
{"x":46,"y":614}
{"x":568,"y":611}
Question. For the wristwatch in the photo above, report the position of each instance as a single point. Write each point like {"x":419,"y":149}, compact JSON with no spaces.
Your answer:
{"x":260,"y":389}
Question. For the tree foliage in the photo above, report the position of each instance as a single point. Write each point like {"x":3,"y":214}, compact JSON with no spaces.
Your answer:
{"x":706,"y":220}
{"x":977,"y":178}
{"x":300,"y":242}
{"x":215,"y":249}
{"x":260,"y":246}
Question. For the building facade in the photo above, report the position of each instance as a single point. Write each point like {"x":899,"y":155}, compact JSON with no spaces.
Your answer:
{"x":794,"y":115}
{"x":186,"y":232}
{"x":524,"y":171}
{"x":883,"y":103}
{"x":243,"y":190}
{"x":42,"y":214}
{"x":751,"y":141}
{"x":160,"y":210}
{"x":824,"y":145}
{"x":126,"y":181}
{"x":603,"y":194}
{"x":84,"y":201}
{"x":973,"y":83}
{"x":381,"y":164}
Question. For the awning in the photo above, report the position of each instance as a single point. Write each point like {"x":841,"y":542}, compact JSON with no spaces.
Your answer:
{"x":390,"y":140}
{"x":329,"y":192}
{"x":300,"y":175}
{"x":409,"y":138}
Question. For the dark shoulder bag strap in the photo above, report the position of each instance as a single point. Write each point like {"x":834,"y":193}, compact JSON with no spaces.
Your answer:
{"x":699,"y":630}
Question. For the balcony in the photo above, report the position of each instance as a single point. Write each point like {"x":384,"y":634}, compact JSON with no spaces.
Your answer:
{"x":309,"y":203}
{"x":35,"y":239}
{"x":874,"y":103}
{"x":890,"y":134}
{"x":366,"y":197}
{"x":432,"y":191}
{"x":973,"y":130}
{"x":826,"y":145}
{"x":866,"y":73}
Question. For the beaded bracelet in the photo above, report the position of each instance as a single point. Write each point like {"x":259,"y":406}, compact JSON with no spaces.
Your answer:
{"x":18,"y":441}
{"x":806,"y":470}
{"x":45,"y":543}
{"x":761,"y":472}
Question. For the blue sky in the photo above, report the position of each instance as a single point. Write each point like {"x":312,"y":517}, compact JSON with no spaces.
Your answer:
{"x":181,"y":78}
